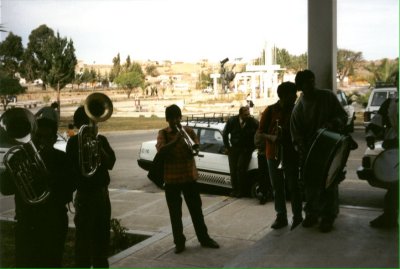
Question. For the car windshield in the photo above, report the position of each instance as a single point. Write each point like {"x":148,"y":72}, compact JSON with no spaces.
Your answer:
{"x":378,"y":98}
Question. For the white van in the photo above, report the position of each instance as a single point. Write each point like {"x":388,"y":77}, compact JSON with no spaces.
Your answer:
{"x":377,"y":97}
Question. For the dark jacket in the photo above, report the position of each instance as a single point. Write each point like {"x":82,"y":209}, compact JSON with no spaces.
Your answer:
{"x":237,"y":137}
{"x":100,"y":179}
{"x":60,"y":183}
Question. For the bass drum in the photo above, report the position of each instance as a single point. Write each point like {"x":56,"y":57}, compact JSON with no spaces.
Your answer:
{"x":386,"y":167}
{"x":326,"y":158}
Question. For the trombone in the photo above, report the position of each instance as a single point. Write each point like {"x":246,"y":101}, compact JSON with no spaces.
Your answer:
{"x":192,"y":146}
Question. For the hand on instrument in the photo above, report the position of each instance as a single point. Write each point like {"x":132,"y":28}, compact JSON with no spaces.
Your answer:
{"x":370,"y":142}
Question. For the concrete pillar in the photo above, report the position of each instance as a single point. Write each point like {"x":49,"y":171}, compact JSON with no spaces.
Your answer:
{"x":322,"y":43}
{"x":253,"y":86}
{"x":215,"y":82}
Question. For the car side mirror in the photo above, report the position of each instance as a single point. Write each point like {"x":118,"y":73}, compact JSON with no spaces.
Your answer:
{"x":365,"y":104}
{"x":349,"y":101}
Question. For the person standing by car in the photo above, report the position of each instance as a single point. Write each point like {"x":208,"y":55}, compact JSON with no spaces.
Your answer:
{"x":316,"y":109}
{"x":281,"y":155}
{"x":386,"y":124}
{"x":238,"y":137}
{"x":41,"y":228}
{"x":180,"y":175}
{"x":92,"y":201}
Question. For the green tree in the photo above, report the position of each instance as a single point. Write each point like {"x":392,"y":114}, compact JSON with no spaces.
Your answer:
{"x":11,"y":52}
{"x":151,"y":70}
{"x":36,"y":64}
{"x":130,"y":81}
{"x":116,"y":69}
{"x":61,"y":59}
{"x":283,"y":58}
{"x":347,"y":61}
{"x":204,"y":80}
{"x":299,"y":62}
{"x":382,"y":72}
{"x":128,"y":63}
{"x":9,"y":86}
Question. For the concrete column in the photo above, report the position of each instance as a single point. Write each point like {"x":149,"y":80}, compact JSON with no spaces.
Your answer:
{"x":322,"y":44}
{"x":215,"y":76}
{"x":253,"y":86}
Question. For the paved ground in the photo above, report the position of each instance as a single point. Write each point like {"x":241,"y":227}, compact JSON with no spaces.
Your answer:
{"x":242,"y":228}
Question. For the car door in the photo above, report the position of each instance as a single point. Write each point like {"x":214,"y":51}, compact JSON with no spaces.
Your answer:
{"x":211,"y":161}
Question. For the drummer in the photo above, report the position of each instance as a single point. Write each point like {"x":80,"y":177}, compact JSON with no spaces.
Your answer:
{"x":386,"y":123}
{"x":316,"y":109}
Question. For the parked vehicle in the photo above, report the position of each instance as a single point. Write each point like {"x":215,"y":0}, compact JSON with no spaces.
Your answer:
{"x":60,"y":144}
{"x":379,"y":167}
{"x":212,"y":162}
{"x":377,"y":97}
{"x":349,"y":108}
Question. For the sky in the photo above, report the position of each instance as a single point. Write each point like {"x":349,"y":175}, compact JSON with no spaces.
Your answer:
{"x":191,"y":30}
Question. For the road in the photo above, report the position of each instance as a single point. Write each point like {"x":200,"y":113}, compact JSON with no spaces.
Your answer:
{"x":128,"y":175}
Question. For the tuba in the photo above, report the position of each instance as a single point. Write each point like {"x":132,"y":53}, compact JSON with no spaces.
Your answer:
{"x":192,"y":146}
{"x":23,"y":160}
{"x":98,"y":107}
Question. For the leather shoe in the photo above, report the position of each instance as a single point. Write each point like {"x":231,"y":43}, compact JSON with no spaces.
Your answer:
{"x":383,"y":221}
{"x":263,"y":200}
{"x":309,"y":221}
{"x":279,"y":223}
{"x":326,"y":225}
{"x":179,"y":248}
{"x":296,"y":222}
{"x":210,"y":243}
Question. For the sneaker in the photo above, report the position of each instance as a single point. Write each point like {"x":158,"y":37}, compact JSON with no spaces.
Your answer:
{"x":210,"y":243}
{"x":309,"y":221}
{"x":280,"y":222}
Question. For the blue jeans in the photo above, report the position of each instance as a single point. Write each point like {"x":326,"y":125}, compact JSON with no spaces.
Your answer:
{"x":279,"y":177}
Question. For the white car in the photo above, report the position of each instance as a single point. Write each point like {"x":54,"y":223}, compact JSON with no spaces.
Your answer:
{"x":376,"y":98}
{"x":212,"y":162}
{"x":349,"y":108}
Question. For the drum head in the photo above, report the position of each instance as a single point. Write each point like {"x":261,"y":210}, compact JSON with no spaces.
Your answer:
{"x":326,"y":158}
{"x":338,"y":162}
{"x":386,"y":166}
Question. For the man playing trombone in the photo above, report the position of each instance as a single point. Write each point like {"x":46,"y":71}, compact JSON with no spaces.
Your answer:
{"x":281,"y":156}
{"x":179,"y":145}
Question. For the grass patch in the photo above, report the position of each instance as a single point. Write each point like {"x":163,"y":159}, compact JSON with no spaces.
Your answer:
{"x":122,"y":123}
{"x":120,"y":240}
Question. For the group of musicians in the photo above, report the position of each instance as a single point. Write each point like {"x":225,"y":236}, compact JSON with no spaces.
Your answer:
{"x":289,"y":132}
{"x":43,"y":180}
{"x":288,"y":129}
